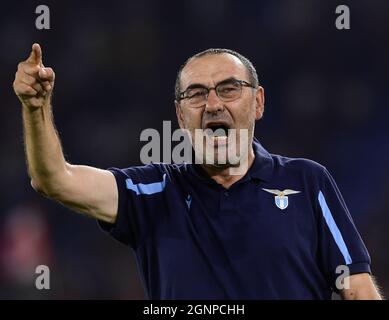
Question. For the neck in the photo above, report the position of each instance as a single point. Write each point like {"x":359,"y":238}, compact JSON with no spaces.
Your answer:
{"x":223,"y":175}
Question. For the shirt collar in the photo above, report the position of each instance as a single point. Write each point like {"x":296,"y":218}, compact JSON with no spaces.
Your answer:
{"x":263,"y":165}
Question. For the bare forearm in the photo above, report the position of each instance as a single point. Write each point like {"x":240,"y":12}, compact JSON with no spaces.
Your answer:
{"x":45,"y":159}
{"x":81,"y":188}
{"x":362,"y":294}
{"x":33,"y":86}
{"x":362,"y":287}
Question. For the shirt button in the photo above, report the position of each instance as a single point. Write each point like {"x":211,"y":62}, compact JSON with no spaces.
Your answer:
{"x":226,"y":193}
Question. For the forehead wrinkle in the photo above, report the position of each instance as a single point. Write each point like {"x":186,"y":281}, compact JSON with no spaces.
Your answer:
{"x":209,"y":73}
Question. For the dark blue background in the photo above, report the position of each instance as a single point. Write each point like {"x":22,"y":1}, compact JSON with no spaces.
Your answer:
{"x":116,"y":63}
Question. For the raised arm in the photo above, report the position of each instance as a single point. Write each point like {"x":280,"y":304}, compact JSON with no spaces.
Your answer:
{"x":81,"y":188}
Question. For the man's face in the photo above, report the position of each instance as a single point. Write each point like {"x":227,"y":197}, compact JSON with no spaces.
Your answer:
{"x":213,"y":113}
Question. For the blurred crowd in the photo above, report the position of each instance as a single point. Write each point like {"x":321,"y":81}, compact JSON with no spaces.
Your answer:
{"x":116,"y":63}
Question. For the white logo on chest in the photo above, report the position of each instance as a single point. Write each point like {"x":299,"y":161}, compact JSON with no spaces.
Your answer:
{"x":281,"y":198}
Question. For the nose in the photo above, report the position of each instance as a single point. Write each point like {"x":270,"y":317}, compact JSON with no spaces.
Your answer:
{"x":213,"y":104}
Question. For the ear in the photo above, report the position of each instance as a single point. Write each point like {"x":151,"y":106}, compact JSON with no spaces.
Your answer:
{"x":179,"y":114}
{"x":260,"y":103}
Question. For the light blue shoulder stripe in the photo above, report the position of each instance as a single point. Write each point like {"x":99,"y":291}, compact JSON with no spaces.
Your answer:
{"x":148,"y":188}
{"x":334,"y":229}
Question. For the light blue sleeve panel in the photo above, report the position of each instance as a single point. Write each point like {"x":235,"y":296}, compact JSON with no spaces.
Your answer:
{"x":340,"y":243}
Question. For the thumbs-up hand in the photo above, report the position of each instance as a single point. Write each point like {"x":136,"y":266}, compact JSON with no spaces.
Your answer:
{"x":33,"y":82}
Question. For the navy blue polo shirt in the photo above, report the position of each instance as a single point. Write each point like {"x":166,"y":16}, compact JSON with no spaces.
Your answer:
{"x":280,"y":232}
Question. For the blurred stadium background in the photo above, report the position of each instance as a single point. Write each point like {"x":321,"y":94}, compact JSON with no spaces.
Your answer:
{"x":116,"y":61}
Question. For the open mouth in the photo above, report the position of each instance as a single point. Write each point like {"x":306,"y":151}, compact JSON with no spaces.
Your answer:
{"x":217,"y":133}
{"x":217,"y":130}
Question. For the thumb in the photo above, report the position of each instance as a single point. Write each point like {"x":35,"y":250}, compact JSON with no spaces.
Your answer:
{"x":35,"y":55}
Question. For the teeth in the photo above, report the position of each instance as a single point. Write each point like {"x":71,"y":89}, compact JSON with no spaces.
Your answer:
{"x":217,"y":132}
{"x":219,"y":140}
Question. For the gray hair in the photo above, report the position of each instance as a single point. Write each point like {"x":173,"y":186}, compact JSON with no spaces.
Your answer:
{"x":252,"y":73}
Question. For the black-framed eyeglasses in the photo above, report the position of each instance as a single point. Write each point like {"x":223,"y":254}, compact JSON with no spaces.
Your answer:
{"x":227,"y":91}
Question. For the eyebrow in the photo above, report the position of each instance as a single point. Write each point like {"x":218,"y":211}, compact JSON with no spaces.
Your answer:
{"x":199,"y":85}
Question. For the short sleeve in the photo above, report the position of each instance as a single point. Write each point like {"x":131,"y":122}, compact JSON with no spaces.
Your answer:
{"x":138,"y":187}
{"x":340,"y":243}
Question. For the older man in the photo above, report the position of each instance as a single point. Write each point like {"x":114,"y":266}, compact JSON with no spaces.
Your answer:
{"x":277,"y":230}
